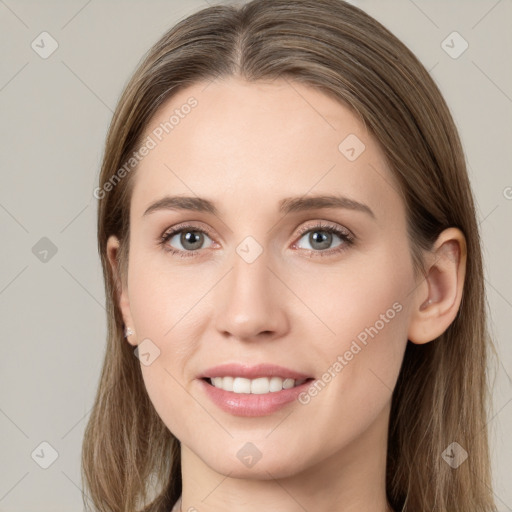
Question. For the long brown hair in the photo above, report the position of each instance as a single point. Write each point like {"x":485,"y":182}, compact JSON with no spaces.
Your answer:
{"x":129,"y":457}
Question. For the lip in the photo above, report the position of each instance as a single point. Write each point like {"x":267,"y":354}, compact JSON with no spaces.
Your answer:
{"x":252,"y":372}
{"x":248,"y":404}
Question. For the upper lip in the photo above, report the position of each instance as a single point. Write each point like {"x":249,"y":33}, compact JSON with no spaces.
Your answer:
{"x":252,"y":372}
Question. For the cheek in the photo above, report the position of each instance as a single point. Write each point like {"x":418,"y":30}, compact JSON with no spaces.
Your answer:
{"x":364,"y":299}
{"x":159,"y":295}
{"x":368,"y":311}
{"x":164,"y":310}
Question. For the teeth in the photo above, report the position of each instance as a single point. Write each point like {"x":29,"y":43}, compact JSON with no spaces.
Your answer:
{"x":257,"y":386}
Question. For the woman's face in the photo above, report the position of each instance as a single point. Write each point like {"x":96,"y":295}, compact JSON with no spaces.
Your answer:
{"x":263,"y":273}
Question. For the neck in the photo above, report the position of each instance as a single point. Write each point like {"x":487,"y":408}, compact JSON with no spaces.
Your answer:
{"x":350,"y":480}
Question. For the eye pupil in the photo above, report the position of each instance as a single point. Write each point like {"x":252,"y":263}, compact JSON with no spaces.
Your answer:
{"x":193,"y":237}
{"x":324,"y":239}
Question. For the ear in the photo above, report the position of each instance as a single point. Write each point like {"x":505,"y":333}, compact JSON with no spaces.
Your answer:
{"x":438,"y":296}
{"x":122,"y":289}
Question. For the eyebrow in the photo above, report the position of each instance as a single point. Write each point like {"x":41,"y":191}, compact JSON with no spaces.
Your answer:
{"x":286,"y":205}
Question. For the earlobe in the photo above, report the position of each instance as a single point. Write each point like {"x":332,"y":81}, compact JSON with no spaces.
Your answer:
{"x":121,"y":289}
{"x":438,"y":297}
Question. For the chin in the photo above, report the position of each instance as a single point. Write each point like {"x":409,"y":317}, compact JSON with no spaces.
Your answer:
{"x":237,"y":463}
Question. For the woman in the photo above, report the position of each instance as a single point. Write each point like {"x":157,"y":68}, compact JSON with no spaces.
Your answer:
{"x":290,"y":250}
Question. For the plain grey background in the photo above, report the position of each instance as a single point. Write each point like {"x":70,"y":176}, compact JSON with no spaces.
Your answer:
{"x":55,"y":110}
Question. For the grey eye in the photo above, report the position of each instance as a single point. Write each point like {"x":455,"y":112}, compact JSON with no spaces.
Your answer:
{"x":320,"y":239}
{"x":190,"y":240}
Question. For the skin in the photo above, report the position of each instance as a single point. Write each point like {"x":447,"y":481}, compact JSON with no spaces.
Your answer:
{"x":245,"y":147}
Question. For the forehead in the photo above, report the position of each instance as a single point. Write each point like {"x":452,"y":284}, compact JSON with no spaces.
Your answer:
{"x":259,"y":142}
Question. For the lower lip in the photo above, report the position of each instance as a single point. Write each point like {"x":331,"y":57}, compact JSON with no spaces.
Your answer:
{"x":248,"y":404}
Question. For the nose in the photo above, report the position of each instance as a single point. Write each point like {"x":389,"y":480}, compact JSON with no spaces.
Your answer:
{"x":249,"y":302}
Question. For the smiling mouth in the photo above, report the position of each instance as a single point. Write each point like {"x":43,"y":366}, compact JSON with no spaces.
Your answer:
{"x":258,"y":386}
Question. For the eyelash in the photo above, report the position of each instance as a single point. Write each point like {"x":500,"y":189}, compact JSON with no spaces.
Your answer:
{"x":347,"y":239}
